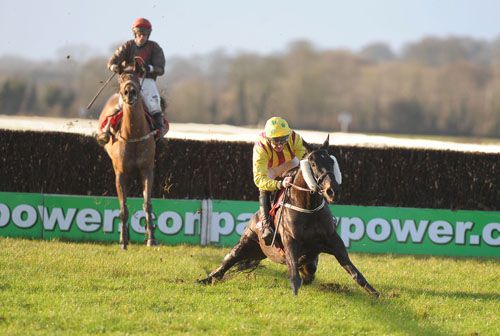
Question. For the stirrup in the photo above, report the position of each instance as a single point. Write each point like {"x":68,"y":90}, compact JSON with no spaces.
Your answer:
{"x":158,"y":134}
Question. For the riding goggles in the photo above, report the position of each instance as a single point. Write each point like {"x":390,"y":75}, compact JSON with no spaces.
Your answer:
{"x":279,"y":141}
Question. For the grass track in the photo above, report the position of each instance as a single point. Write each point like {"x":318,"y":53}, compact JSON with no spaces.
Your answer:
{"x":75,"y":288}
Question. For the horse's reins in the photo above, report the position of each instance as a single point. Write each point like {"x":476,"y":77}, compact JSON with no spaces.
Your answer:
{"x":299,"y":209}
{"x":279,"y":218}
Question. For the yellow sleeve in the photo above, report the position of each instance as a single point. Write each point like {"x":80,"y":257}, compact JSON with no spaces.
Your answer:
{"x":298,"y":147}
{"x":260,"y":178}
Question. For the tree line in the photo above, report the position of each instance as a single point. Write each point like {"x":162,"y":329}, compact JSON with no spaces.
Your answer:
{"x":435,"y":85}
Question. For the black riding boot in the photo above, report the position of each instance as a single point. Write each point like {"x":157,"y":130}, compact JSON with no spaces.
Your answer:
{"x":158,"y":123}
{"x":105,"y":134}
{"x":265,"y":206}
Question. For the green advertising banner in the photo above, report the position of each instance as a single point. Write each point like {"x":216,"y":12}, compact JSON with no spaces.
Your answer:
{"x":419,"y":231}
{"x":386,"y":230}
{"x":228,"y":221}
{"x":219,"y":222}
{"x":86,"y":218}
{"x":20,"y":216}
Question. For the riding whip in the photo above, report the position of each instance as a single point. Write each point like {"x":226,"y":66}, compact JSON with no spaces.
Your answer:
{"x":100,"y":90}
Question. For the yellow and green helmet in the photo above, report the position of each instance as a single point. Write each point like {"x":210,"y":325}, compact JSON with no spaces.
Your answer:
{"x":277,"y":127}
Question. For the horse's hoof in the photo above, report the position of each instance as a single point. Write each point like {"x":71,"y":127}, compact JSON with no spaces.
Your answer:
{"x":151,"y":242}
{"x":206,"y":281}
{"x":295,"y":284}
{"x":308,"y":279}
{"x":123,"y":246}
{"x":372,"y":291}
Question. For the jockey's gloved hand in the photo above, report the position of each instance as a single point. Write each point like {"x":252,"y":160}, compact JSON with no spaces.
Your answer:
{"x":287,"y":181}
{"x":114,"y":68}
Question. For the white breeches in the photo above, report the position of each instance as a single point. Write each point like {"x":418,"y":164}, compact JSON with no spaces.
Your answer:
{"x":276,"y":171}
{"x":150,"y":95}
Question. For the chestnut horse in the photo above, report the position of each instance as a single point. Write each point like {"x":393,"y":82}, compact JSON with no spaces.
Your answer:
{"x":304,"y":223}
{"x":132,"y":150}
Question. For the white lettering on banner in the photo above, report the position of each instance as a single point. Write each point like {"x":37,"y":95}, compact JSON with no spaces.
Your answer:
{"x":191,"y":219}
{"x":385,"y":229}
{"x":346,"y":232}
{"x":440,"y":232}
{"x":243,"y":219}
{"x":460,"y":229}
{"x":109,"y":220}
{"x":488,"y":234}
{"x":88,"y":220}
{"x":30,"y":216}
{"x":175,"y":219}
{"x":135,"y":221}
{"x":56,"y":216}
{"x":417,"y":234}
{"x":216,"y":230}
{"x":4,"y":215}
{"x":352,"y":229}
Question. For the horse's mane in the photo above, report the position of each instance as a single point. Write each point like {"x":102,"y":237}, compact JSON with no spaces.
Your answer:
{"x":292,"y":172}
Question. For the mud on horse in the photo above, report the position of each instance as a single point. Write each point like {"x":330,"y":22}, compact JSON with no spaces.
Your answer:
{"x":132,"y":150}
{"x":306,"y":229}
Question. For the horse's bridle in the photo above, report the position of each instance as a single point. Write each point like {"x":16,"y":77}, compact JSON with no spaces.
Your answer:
{"x":137,"y":87}
{"x":322,"y":177}
{"x":319,"y":182}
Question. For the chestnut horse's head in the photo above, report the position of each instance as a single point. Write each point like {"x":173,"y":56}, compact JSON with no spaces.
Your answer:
{"x":321,"y":171}
{"x":130,"y":87}
{"x":130,"y":84}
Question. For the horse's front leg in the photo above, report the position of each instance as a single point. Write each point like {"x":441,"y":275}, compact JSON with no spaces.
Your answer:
{"x":147,"y":183}
{"x":292,"y":256}
{"x":121,"y":191}
{"x":337,"y":247}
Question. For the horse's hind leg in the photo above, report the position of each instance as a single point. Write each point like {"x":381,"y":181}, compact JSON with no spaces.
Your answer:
{"x":147,"y":183}
{"x":121,"y":191}
{"x":246,"y":249}
{"x":338,"y":249}
{"x":307,"y":269}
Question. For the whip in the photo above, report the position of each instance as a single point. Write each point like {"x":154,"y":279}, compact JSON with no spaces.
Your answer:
{"x":100,"y":90}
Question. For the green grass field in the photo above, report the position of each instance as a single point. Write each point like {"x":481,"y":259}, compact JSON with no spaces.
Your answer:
{"x":59,"y":288}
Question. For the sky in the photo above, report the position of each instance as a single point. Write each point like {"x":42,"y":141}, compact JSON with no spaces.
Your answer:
{"x":51,"y":29}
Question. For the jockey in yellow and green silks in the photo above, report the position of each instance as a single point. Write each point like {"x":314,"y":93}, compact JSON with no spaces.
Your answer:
{"x":277,"y":150}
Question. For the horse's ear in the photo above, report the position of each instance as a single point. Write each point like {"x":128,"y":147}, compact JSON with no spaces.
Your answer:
{"x":307,"y":146}
{"x":326,"y":144}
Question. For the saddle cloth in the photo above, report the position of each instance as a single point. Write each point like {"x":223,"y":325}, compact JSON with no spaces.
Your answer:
{"x":116,"y":119}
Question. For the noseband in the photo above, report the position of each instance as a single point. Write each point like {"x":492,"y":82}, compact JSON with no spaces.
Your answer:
{"x":322,"y":177}
{"x":132,"y":102}
{"x":314,"y":184}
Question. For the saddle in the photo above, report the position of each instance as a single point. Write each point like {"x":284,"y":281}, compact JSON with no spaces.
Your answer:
{"x":115,"y":121}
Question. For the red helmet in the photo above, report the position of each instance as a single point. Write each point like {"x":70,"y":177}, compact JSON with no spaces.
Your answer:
{"x":142,"y":25}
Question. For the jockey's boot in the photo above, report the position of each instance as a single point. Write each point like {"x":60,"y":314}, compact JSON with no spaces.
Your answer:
{"x":158,"y":124}
{"x":104,"y":136}
{"x":266,"y":230}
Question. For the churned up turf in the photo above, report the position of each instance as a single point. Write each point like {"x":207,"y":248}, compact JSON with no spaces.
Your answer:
{"x":60,"y":288}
